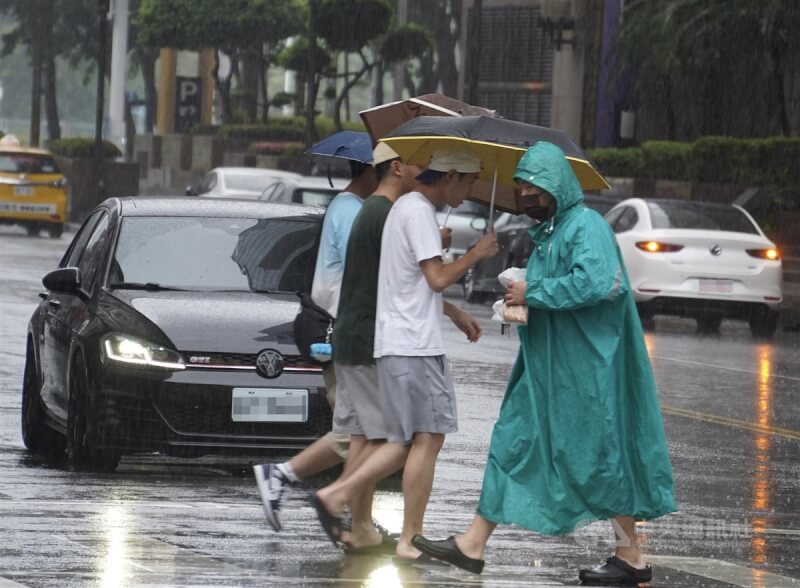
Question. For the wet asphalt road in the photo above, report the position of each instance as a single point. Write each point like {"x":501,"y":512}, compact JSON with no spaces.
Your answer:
{"x":732,"y":413}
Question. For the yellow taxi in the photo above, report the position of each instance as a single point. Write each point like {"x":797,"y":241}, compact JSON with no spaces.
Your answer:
{"x":33,"y":191}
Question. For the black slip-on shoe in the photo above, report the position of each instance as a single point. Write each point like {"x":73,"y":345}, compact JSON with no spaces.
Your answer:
{"x":447,"y":550}
{"x":617,"y":572}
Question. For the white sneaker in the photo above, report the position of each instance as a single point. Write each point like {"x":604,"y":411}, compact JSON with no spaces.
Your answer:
{"x":273,"y":486}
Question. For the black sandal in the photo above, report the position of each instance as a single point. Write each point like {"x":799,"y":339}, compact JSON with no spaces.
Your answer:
{"x":331,"y":524}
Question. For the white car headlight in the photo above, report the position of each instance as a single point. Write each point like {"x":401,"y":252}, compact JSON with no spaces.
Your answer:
{"x":131,"y":350}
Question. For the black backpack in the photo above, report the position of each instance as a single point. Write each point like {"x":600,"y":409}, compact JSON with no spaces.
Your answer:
{"x":313,"y":324}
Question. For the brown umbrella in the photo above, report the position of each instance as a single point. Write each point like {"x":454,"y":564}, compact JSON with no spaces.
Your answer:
{"x":382,"y":119}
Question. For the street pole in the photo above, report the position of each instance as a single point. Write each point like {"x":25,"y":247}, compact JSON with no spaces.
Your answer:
{"x":102,"y":32}
{"x":119,"y":73}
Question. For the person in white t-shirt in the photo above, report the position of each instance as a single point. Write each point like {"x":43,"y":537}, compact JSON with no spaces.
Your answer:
{"x":416,"y":392}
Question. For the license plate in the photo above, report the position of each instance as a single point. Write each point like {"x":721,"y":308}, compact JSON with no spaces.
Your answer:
{"x":266,"y":405}
{"x":23,"y":191}
{"x":716,"y":286}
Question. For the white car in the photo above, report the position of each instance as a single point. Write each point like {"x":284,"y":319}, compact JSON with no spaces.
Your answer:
{"x":700,"y":260}
{"x":269,"y":185}
{"x":237,"y":182}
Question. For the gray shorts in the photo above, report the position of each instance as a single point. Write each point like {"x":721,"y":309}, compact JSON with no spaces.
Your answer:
{"x":358,"y":407}
{"x":417,"y":396}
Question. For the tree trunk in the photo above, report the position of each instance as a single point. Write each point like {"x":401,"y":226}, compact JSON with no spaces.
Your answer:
{"x":779,"y":90}
{"x":130,"y":131}
{"x":251,"y":66}
{"x":377,"y":80}
{"x":36,"y":87}
{"x":147,"y":59}
{"x":49,"y":65}
{"x":223,"y":89}
{"x":263,"y":79}
{"x":349,"y":85}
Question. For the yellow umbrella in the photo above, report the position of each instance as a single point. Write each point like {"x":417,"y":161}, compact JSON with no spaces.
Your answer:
{"x":499,"y":143}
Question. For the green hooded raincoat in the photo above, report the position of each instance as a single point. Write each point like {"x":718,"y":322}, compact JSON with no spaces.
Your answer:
{"x":580,"y":435}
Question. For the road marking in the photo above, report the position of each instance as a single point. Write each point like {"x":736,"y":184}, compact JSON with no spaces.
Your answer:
{"x":726,"y":368}
{"x":728,"y":422}
{"x":6,"y":583}
{"x":724,"y":571}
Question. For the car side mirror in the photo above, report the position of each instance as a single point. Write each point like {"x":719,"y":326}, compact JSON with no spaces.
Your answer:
{"x":479,"y":224}
{"x":64,"y":280}
{"x":189,"y":191}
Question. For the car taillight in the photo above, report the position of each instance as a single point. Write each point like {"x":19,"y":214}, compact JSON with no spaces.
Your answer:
{"x":771,"y":254}
{"x":657,"y":247}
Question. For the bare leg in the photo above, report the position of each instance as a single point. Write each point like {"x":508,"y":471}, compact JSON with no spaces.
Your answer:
{"x":363,"y":532}
{"x":472,"y":542}
{"x":627,"y":541}
{"x":314,"y":459}
{"x":384,"y":461}
{"x":417,"y":483}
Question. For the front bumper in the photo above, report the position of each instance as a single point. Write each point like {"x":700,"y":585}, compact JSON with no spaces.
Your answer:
{"x":188,"y":412}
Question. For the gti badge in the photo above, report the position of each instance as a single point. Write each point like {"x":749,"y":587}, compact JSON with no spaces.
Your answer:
{"x":716,"y":250}
{"x":269,"y":363}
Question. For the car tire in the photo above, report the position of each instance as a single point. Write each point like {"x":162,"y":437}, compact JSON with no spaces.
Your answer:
{"x":709,"y":323}
{"x":32,"y":229}
{"x":763,"y":324}
{"x":81,"y":455}
{"x":36,"y":435}
{"x":55,"y":230}
{"x":470,"y":294}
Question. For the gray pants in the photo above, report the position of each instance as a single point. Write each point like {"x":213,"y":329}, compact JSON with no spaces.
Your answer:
{"x":417,"y":396}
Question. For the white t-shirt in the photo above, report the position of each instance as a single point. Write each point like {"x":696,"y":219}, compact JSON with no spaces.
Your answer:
{"x":409,"y":314}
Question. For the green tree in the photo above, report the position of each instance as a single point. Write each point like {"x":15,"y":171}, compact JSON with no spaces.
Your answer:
{"x":237,"y":28}
{"x":348,"y":26}
{"x":715,"y":66}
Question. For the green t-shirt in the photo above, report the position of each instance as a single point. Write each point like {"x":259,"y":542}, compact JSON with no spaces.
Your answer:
{"x":354,"y":331}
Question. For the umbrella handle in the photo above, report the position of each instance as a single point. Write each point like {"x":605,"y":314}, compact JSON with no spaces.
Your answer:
{"x":490,"y":226}
{"x":449,"y":210}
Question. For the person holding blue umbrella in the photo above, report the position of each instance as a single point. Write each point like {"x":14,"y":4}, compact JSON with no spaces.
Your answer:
{"x":579,"y":437}
{"x":274,"y":480}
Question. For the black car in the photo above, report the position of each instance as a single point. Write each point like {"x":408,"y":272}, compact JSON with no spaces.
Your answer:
{"x":480,"y":282}
{"x":168,"y":327}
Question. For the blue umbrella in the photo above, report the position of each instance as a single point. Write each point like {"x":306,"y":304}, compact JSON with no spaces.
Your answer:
{"x":352,"y":145}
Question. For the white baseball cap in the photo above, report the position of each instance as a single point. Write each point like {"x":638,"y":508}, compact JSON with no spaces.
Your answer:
{"x":459,"y":160}
{"x":383,"y":153}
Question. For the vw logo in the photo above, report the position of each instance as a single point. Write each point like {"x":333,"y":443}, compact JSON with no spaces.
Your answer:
{"x":716,"y":250}
{"x":269,"y":363}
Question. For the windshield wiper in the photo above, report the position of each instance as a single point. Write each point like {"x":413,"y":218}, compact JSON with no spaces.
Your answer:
{"x":152,"y":286}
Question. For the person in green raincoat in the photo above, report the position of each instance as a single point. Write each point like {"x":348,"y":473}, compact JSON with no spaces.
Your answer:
{"x":580,"y":436}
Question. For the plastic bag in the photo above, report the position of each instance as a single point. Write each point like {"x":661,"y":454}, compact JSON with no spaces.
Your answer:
{"x":510,"y":313}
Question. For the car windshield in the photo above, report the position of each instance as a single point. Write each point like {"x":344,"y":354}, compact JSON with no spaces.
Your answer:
{"x":276,"y":254}
{"x":27,"y":163}
{"x":248,"y":183}
{"x":703,"y":216}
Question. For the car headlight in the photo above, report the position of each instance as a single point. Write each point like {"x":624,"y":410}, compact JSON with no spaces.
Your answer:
{"x":131,"y":350}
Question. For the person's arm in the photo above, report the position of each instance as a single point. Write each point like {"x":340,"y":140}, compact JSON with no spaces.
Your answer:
{"x":465,"y":322}
{"x":596,"y":275}
{"x":441,"y":275}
